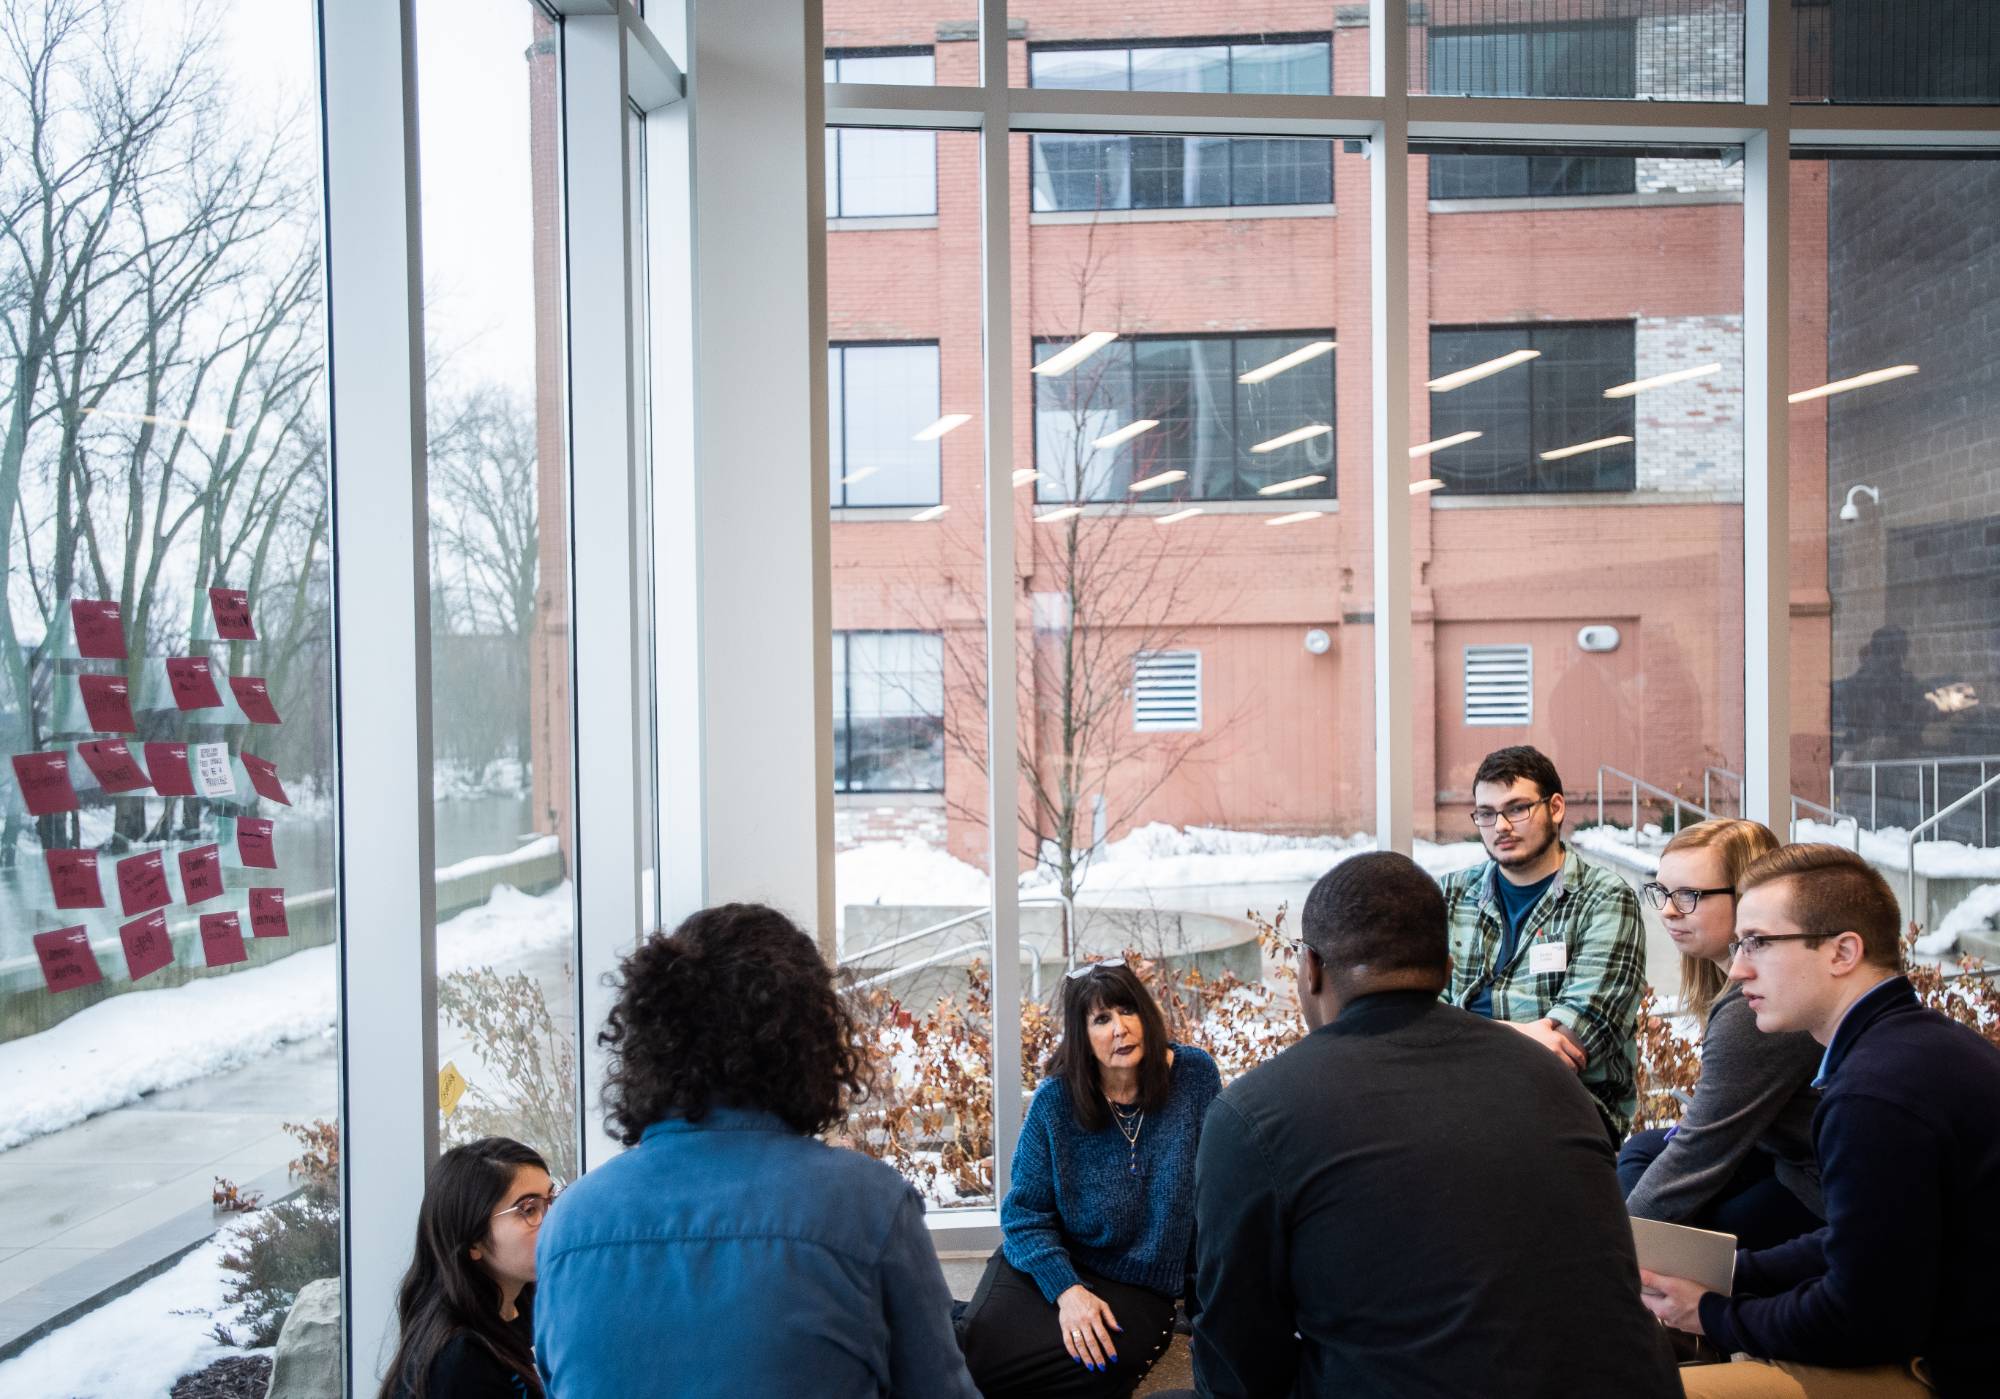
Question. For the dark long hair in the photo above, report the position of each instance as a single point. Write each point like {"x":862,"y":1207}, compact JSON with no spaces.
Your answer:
{"x":445,"y":1293}
{"x":1116,"y":988}
{"x":736,"y":1007}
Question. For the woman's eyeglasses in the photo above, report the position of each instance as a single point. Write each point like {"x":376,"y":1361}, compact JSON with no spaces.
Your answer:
{"x":1659,"y":896}
{"x":1086,"y":968}
{"x":532,"y":1208}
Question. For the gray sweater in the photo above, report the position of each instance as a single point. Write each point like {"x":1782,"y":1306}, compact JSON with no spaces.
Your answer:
{"x":1755,"y":1094}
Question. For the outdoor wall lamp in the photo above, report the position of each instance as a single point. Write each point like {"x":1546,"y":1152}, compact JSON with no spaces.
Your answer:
{"x":1850,"y":512}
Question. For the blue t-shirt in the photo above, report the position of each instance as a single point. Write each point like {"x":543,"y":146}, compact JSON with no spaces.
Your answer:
{"x":1515,"y":901}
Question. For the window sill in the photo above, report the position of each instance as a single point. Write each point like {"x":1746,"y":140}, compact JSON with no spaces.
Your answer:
{"x":1445,"y":500}
{"x":1196,"y":215}
{"x":881,"y":514}
{"x":881,"y":223}
{"x":1280,"y":505}
{"x":1654,"y":200}
{"x":849,"y":801}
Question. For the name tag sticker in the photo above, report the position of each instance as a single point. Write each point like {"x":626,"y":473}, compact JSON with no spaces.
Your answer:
{"x":1546,"y":958}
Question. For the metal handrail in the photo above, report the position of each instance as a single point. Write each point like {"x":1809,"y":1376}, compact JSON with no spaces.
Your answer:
{"x":1712,"y":771}
{"x":952,"y":954}
{"x":1910,"y":842}
{"x":1837,"y":818}
{"x":1640,"y":784}
{"x":959,"y":920}
{"x":1937,"y":765}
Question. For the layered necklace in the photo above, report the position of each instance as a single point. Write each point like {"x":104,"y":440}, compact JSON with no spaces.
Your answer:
{"x":1129,"y":1119}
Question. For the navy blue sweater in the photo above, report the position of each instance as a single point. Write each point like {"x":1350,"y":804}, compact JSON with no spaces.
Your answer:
{"x":1075,"y":1201}
{"x":1908,"y":1139}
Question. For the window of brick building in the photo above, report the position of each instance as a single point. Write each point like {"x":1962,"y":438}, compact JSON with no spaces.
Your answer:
{"x":1225,"y":437}
{"x":880,"y":397}
{"x":1544,"y":423}
{"x":1578,"y":60}
{"x":880,"y":174}
{"x":888,"y":711}
{"x":1091,"y":172}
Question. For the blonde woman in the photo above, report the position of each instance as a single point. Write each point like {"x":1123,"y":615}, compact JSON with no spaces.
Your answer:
{"x":1741,"y":1159}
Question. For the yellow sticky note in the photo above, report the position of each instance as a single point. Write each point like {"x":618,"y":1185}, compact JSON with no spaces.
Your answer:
{"x":451,"y":1087}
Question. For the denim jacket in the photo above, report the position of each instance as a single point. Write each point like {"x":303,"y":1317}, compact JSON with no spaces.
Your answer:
{"x":733,"y":1256}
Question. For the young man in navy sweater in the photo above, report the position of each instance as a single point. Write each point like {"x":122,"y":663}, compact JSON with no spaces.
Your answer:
{"x":1900,"y":1281}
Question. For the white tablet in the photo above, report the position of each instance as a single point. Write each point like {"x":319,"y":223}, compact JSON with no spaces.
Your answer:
{"x":1702,"y":1255}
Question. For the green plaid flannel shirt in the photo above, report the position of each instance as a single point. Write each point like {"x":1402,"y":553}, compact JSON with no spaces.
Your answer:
{"x":1593,"y":913}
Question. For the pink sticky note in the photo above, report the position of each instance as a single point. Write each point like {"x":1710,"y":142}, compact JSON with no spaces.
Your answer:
{"x":67,"y":961}
{"x":107,"y":699}
{"x":253,"y":843}
{"x":168,"y":763}
{"x":255,"y":697}
{"x":147,"y":946}
{"x":142,"y":883}
{"x":231,"y":607}
{"x":45,"y":784}
{"x":222,"y":939}
{"x":193,"y":683}
{"x":100,"y":631}
{"x":73,"y":877}
{"x":267,"y":914}
{"x":264,"y":777}
{"x":111,"y":760}
{"x":201,"y":874}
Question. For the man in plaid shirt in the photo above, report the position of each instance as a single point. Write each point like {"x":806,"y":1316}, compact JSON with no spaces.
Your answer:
{"x":1542,"y":941}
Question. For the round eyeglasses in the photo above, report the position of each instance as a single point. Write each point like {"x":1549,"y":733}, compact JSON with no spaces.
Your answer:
{"x":532,"y":1208}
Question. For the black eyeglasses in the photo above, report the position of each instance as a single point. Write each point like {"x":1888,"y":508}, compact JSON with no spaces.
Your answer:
{"x":1751,"y":944}
{"x":1513,"y":813}
{"x":1658,"y":895}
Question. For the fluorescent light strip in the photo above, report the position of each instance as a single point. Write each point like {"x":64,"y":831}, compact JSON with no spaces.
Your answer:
{"x":1296,"y":518}
{"x":1459,"y":378}
{"x":1426,"y":486}
{"x":1186,"y":514}
{"x":1126,"y":433}
{"x":862,"y":475}
{"x":1283,"y":362}
{"x":1165,"y":478}
{"x":1025,"y":475}
{"x":203,"y":424}
{"x":1068,"y":512}
{"x":942,"y":426}
{"x":1062,"y":361}
{"x":1424,"y":449}
{"x":1595,"y":445}
{"x":1297,"y":483}
{"x":1859,"y":381}
{"x":930,"y":514}
{"x":1660,"y":381}
{"x":1297,"y":434}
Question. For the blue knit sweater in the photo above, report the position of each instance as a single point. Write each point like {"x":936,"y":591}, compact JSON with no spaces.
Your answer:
{"x":1074,"y":1200}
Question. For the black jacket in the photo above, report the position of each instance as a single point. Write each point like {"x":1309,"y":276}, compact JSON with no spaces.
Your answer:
{"x":1908,"y":1138}
{"x":1428,"y":1200}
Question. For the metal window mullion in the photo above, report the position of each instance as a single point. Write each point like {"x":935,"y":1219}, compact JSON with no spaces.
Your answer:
{"x":1002,"y":664}
{"x":1389,"y":286}
{"x":606,"y":686}
{"x":384,"y":851}
{"x":1767,"y":555}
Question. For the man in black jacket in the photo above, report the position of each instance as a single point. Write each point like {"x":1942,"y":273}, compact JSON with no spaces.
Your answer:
{"x":1413,"y":1201}
{"x":1908,"y":1139}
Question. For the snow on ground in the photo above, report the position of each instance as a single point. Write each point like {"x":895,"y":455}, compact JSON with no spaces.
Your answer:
{"x":1621,"y":845}
{"x":145,"y":1041}
{"x":135,"y":1346}
{"x":1890,"y":847}
{"x":1153,"y":857}
{"x":1979,"y":909}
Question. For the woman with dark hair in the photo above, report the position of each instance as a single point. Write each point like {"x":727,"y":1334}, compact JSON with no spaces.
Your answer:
{"x":464,"y":1305}
{"x":1098,"y":1227}
{"x":730,"y":1252}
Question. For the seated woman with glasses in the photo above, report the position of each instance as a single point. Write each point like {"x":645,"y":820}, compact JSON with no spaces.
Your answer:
{"x":1098,"y":1226}
{"x":463,"y":1309}
{"x":1741,"y":1159}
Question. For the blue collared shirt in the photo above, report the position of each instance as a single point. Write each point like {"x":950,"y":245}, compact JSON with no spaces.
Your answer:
{"x":735,"y":1257}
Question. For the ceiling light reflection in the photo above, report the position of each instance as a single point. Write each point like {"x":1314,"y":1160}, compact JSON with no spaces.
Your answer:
{"x":1459,"y":378}
{"x":1283,"y":362}
{"x":1062,"y":361}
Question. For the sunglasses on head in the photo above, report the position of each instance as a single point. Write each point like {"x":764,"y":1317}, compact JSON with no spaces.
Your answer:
{"x":1086,"y":968}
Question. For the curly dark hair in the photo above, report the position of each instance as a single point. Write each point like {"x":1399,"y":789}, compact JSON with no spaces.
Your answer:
{"x":734,"y":1007}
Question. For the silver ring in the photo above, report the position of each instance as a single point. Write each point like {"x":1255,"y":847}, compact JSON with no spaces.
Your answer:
{"x":1077,"y":1334}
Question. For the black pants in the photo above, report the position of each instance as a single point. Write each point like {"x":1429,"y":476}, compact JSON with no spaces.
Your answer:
{"x":1013,"y":1343}
{"x":1754,"y":1205}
